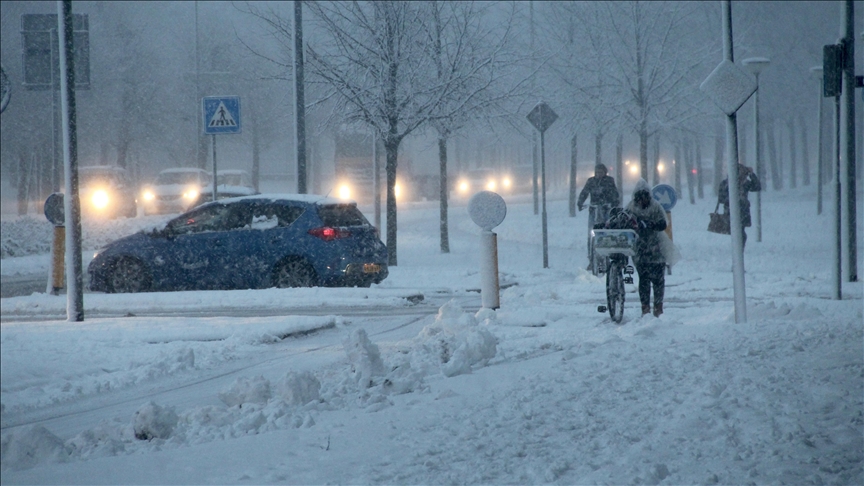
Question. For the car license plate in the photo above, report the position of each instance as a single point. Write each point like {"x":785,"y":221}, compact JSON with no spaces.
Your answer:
{"x":371,"y":268}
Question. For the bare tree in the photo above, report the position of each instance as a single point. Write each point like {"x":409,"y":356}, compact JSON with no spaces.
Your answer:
{"x":642,"y":45}
{"x":472,"y":65}
{"x":375,"y":61}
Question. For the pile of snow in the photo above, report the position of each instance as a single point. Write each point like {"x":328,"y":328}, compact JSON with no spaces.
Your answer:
{"x":454,"y":344}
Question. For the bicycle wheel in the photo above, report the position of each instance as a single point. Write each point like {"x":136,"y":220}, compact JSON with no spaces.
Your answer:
{"x":615,"y":291}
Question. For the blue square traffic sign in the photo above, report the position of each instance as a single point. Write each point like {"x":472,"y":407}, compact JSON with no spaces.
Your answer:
{"x":221,"y":114}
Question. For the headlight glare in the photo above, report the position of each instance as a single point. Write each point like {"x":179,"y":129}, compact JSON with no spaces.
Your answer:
{"x":100,"y":199}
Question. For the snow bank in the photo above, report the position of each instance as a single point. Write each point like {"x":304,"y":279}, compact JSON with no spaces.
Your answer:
{"x":455,"y":343}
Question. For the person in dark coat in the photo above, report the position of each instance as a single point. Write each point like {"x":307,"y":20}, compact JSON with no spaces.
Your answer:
{"x":601,"y":188}
{"x":747,"y":182}
{"x":649,"y":259}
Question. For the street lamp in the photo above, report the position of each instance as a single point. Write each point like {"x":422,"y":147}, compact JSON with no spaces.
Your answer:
{"x":756,"y":65}
{"x":817,"y":71}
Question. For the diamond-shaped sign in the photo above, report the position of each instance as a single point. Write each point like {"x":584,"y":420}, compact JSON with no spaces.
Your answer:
{"x":729,"y":86}
{"x":542,"y":117}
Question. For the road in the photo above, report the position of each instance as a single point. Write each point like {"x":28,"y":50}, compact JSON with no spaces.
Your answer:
{"x":18,"y":285}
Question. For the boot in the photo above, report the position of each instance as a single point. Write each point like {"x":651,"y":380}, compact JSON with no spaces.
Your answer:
{"x":646,"y":309}
{"x":658,"y":309}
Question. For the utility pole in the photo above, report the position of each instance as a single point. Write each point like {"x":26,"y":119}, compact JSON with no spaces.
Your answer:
{"x":848,"y":134}
{"x":820,"y":144}
{"x":72,"y":204}
{"x":299,"y":102}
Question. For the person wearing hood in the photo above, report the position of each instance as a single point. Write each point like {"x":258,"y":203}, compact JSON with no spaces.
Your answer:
{"x":648,"y":258}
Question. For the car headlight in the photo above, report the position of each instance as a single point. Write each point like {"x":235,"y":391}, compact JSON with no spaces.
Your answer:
{"x":345,"y":191}
{"x":149,"y":196}
{"x":100,"y":199}
{"x":464,"y":186}
{"x":191,"y":194}
{"x":490,"y":185}
{"x":506,"y":183}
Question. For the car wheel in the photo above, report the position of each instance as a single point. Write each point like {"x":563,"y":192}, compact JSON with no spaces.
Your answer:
{"x":295,"y":273}
{"x":128,"y":275}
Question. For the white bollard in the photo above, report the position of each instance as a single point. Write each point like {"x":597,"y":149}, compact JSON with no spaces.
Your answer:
{"x":487,"y":210}
{"x":489,"y":290}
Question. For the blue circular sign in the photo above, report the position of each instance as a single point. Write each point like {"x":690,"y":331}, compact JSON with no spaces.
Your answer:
{"x":665,"y":195}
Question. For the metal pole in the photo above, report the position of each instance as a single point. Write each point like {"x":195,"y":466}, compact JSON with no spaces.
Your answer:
{"x":214,"y":166}
{"x":757,"y":139}
{"x":732,"y":170}
{"x":820,"y":163}
{"x":838,"y":247}
{"x":848,"y":135}
{"x":299,"y":103}
{"x":543,"y":185}
{"x":72,"y":204}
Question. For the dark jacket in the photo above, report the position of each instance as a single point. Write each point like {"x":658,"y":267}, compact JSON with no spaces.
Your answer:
{"x":747,"y":182}
{"x":602,"y":191}
{"x":651,"y":221}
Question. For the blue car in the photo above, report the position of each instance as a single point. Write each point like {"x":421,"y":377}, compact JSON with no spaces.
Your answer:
{"x":247,"y":243}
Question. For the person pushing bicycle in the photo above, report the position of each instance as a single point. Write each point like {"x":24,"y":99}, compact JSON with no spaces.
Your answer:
{"x":648,"y":258}
{"x":604,"y":196}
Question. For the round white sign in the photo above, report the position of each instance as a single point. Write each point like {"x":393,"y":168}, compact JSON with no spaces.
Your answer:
{"x":487,"y":209}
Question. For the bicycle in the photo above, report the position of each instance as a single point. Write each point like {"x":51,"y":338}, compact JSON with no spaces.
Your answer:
{"x":618,"y":246}
{"x":598,"y":214}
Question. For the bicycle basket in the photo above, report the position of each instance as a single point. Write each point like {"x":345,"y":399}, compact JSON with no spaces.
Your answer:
{"x":611,"y":241}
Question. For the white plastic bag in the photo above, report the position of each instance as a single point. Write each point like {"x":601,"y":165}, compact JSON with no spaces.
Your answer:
{"x":669,"y":249}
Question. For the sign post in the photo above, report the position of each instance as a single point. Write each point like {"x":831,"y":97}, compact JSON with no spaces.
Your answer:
{"x":542,"y":117}
{"x":221,"y":115}
{"x":56,"y":215}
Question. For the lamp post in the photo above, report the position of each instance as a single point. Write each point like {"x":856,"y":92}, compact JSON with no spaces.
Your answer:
{"x":817,"y":71}
{"x":756,"y":65}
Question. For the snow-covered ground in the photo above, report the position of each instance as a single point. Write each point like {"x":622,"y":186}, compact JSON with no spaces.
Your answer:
{"x":367,"y":386}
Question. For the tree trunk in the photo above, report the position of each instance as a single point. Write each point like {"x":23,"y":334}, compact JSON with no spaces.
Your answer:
{"x":391,"y":146}
{"x":805,"y":152}
{"x":700,"y":179}
{"x":678,"y":164}
{"x":442,"y":194}
{"x":688,"y":168}
{"x":656,"y":160}
{"x":24,"y":171}
{"x":598,"y":148}
{"x":619,"y":164}
{"x":776,"y":179}
{"x":573,"y":155}
{"x":793,"y":154}
{"x":643,"y":149}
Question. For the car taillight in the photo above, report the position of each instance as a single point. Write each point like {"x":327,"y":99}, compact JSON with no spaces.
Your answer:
{"x":327,"y":233}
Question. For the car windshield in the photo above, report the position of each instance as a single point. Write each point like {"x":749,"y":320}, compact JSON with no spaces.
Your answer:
{"x":94,"y":177}
{"x":231,"y":180}
{"x":342,"y":215}
{"x":177,"y":178}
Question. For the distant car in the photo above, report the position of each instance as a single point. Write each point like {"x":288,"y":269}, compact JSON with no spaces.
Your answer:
{"x":248,"y":243}
{"x":519,"y":179}
{"x":105,"y":192}
{"x":476,"y":180}
{"x":229,"y":183}
{"x":174,"y":190}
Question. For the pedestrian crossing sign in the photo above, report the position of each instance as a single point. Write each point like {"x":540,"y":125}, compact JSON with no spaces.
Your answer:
{"x":221,"y":114}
